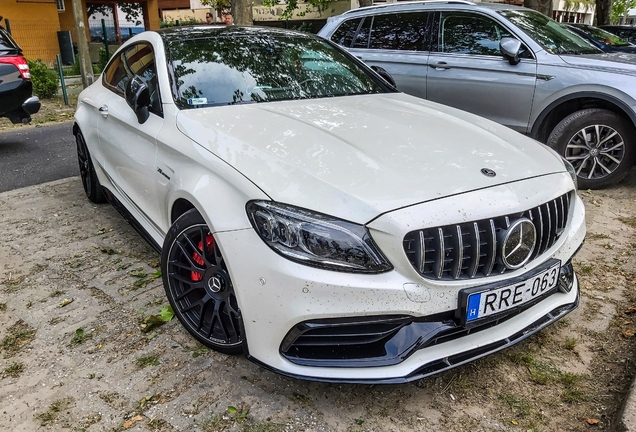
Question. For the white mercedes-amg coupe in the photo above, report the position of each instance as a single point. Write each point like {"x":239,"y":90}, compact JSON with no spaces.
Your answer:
{"x":313,"y":217}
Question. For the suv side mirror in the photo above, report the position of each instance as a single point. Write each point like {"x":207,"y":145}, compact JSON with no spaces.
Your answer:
{"x":385,"y":75}
{"x":138,"y":97}
{"x":510,"y":47}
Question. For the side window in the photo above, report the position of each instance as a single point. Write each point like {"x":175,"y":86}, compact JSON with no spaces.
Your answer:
{"x":138,"y":59}
{"x":403,"y":31}
{"x":362,"y":38}
{"x":466,"y":33}
{"x":345,"y":33}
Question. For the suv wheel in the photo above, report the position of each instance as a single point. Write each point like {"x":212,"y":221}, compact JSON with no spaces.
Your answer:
{"x":598,"y":143}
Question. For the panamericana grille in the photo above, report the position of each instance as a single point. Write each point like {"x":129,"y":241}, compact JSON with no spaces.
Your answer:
{"x":471,"y":250}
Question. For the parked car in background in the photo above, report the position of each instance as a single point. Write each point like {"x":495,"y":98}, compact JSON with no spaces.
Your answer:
{"x":17,"y":102}
{"x":314,"y":218}
{"x":624,"y":31}
{"x":512,"y":65}
{"x":606,"y":41}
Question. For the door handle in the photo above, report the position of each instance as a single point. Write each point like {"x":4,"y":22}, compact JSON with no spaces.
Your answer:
{"x":441,"y":66}
{"x":103,"y":110}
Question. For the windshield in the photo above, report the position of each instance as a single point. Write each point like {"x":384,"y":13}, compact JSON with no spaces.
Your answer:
{"x":549,"y":34}
{"x":234,"y":69}
{"x":603,"y":36}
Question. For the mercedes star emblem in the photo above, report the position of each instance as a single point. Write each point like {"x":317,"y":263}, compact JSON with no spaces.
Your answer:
{"x":214,"y":284}
{"x":518,"y":243}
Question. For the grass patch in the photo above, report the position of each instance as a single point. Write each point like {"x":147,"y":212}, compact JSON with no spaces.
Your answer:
{"x":585,"y":268}
{"x":53,"y":411}
{"x":19,"y":335}
{"x":80,"y":337}
{"x":13,"y":371}
{"x":570,"y":343}
{"x":597,"y":236}
{"x":631,"y":221}
{"x":142,"y":362}
{"x":519,"y":407}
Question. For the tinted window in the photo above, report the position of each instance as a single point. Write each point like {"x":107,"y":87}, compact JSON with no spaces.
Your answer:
{"x":549,"y":34}
{"x":404,"y":31}
{"x":345,"y":33}
{"x":227,"y":70}
{"x":362,"y":38}
{"x":139,"y":60}
{"x":465,"y":33}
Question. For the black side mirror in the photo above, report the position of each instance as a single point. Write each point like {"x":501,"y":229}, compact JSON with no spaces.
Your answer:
{"x":385,"y":75}
{"x":510,"y":48}
{"x":138,"y":97}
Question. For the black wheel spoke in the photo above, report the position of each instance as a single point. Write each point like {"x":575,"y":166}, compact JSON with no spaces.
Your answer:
{"x":183,"y":266}
{"x":187,"y":293}
{"x":195,"y":247}
{"x":187,"y":257}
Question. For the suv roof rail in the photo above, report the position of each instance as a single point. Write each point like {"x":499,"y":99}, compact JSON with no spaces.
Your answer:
{"x":380,"y":6}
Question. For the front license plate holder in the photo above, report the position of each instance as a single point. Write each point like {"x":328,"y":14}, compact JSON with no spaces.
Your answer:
{"x":486,"y":303}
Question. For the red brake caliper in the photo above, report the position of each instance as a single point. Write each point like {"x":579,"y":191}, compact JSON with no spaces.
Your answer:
{"x":209,"y":243}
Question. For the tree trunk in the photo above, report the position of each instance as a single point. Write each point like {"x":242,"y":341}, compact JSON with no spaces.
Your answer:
{"x":242,"y":12}
{"x":86,"y":67}
{"x":543,"y":6}
{"x":603,"y":11}
{"x":364,"y":3}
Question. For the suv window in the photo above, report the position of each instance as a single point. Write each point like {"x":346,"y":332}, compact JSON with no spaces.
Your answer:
{"x":403,"y":31}
{"x":466,"y":33}
{"x":138,"y":59}
{"x":345,"y":33}
{"x":362,"y":38}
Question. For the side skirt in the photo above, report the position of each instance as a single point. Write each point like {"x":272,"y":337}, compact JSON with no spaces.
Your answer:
{"x":130,"y":219}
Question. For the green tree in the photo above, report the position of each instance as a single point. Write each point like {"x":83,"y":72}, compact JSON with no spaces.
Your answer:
{"x":620,"y":8}
{"x":239,"y":7}
{"x":132,"y":11}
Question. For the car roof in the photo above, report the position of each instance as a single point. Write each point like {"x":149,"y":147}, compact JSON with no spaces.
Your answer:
{"x":176,"y":34}
{"x":428,"y":4}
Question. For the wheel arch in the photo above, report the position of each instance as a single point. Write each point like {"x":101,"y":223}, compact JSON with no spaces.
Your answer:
{"x":566,"y":105}
{"x":179,"y":207}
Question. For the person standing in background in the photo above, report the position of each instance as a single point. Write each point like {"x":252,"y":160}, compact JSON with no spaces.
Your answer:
{"x":208,"y":18}
{"x":228,"y":19}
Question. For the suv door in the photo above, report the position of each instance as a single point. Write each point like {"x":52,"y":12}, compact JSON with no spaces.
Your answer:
{"x":468,"y":71}
{"x":396,"y":42}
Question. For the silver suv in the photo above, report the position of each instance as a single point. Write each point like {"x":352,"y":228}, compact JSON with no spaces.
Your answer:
{"x":512,"y":65}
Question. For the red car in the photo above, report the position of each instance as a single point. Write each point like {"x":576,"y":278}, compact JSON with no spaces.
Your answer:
{"x":16,"y":100}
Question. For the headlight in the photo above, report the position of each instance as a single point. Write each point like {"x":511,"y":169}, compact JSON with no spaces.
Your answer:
{"x":572,"y":171}
{"x":316,"y":239}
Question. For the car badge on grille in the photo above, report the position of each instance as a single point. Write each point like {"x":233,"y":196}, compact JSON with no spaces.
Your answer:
{"x":488,"y":172}
{"x":518,"y":243}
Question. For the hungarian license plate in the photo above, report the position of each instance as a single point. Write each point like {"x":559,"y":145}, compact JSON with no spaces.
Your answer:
{"x":492,"y":301}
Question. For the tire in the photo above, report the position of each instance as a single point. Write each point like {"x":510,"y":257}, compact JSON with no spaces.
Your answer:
{"x":198,"y":285}
{"x":87,"y":172}
{"x":598,"y":143}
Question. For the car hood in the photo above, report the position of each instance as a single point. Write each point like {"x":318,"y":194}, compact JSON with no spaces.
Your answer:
{"x":356,"y":157}
{"x":611,"y":62}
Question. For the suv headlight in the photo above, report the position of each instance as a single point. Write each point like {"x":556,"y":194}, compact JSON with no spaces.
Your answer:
{"x":316,"y":239}
{"x":572,"y":172}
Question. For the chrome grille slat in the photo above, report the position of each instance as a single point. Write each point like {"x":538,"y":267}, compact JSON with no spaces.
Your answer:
{"x":470,"y":250}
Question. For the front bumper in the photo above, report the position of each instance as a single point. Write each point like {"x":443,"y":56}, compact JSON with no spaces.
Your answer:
{"x":276,"y":295}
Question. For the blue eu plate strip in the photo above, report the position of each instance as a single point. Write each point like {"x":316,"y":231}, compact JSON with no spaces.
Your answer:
{"x":472,"y":311}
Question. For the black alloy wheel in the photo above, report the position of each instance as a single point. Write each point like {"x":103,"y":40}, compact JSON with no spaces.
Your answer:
{"x":87,"y":172}
{"x":598,"y":143}
{"x":198,"y":285}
